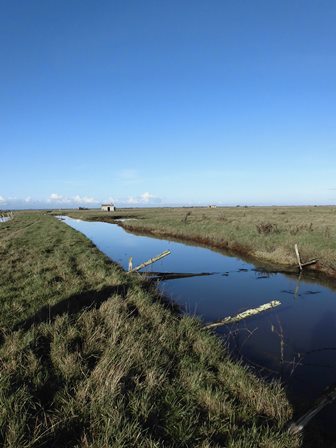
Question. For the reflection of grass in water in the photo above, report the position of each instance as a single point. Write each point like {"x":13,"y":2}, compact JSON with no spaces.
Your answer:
{"x":107,"y":363}
{"x":266,"y":233}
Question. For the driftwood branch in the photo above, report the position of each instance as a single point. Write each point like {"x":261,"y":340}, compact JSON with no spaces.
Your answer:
{"x":243,"y":315}
{"x":150,"y":261}
{"x":328,"y":397}
{"x":307,"y":263}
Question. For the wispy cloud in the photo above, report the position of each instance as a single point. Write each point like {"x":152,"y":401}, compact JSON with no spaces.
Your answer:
{"x":85,"y":200}
{"x":60,"y":199}
{"x":144,"y":198}
{"x":54,"y":197}
{"x":2,"y":200}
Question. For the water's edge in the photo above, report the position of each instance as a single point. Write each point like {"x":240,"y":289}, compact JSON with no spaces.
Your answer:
{"x":303,"y":323}
{"x":311,"y":273}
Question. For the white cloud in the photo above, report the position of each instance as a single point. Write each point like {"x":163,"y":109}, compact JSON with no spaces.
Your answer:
{"x":147,"y":197}
{"x":54,"y":197}
{"x":84,"y":200}
{"x":2,"y":200}
{"x":144,"y":198}
{"x":59,"y":199}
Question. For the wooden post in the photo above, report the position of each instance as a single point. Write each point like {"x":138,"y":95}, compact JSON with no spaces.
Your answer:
{"x":244,"y":315}
{"x":298,"y":256}
{"x":130,"y":263}
{"x":152,"y":260}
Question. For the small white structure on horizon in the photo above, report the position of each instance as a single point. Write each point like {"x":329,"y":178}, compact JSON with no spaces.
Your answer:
{"x":108,"y":207}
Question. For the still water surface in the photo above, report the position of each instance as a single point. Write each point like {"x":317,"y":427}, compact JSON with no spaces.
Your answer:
{"x":295,"y":342}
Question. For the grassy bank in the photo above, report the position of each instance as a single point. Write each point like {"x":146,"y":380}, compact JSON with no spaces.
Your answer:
{"x":267,"y":234}
{"x":92,"y":357}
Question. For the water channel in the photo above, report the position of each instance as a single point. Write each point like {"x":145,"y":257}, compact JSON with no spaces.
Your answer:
{"x":295,"y":342}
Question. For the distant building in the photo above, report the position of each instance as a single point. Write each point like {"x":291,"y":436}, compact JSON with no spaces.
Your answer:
{"x":212,"y":206}
{"x":108,"y":207}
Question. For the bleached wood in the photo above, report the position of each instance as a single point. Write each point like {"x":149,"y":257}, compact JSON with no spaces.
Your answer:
{"x":243,"y":315}
{"x":150,"y":261}
{"x":308,"y":263}
{"x":298,"y":256}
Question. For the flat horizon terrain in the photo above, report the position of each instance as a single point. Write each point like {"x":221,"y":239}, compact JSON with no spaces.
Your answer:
{"x":266,"y":234}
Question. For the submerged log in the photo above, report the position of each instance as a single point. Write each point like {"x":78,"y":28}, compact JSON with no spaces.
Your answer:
{"x":243,"y":315}
{"x":174,"y":275}
{"x":150,"y":261}
{"x":328,"y":397}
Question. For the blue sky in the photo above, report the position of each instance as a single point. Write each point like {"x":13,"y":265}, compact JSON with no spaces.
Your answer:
{"x":167,"y":102}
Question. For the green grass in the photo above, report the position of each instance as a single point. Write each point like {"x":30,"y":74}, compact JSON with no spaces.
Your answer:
{"x":93,"y":357}
{"x":266,"y":234}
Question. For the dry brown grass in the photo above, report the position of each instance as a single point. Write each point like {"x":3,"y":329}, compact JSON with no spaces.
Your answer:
{"x":267,"y":234}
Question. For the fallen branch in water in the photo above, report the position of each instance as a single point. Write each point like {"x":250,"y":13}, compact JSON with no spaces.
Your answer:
{"x":243,"y":315}
{"x":174,"y":275}
{"x":328,"y":397}
{"x":150,"y":261}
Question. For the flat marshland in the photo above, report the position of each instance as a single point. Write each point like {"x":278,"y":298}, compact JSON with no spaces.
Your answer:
{"x":93,"y":357}
{"x":265,"y":234}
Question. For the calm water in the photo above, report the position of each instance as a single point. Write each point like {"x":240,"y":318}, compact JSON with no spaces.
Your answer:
{"x":305,"y":322}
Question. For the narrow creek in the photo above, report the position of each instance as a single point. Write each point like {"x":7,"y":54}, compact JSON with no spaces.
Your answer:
{"x":295,"y":342}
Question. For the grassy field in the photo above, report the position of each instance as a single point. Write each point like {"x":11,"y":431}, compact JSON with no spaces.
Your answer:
{"x":266,"y":234}
{"x":93,"y":357}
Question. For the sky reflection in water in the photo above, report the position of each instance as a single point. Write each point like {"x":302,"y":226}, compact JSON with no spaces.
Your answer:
{"x":306,"y":319}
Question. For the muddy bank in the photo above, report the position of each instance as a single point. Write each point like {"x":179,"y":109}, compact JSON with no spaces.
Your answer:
{"x":317,"y":271}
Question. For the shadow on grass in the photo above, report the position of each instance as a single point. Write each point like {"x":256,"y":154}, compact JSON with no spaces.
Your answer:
{"x":72,"y":305}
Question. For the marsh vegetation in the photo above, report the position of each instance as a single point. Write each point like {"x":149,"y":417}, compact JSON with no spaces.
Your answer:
{"x":93,"y":357}
{"x":264,"y":233}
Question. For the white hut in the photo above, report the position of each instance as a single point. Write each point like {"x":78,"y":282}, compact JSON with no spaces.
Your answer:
{"x":108,"y":207}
